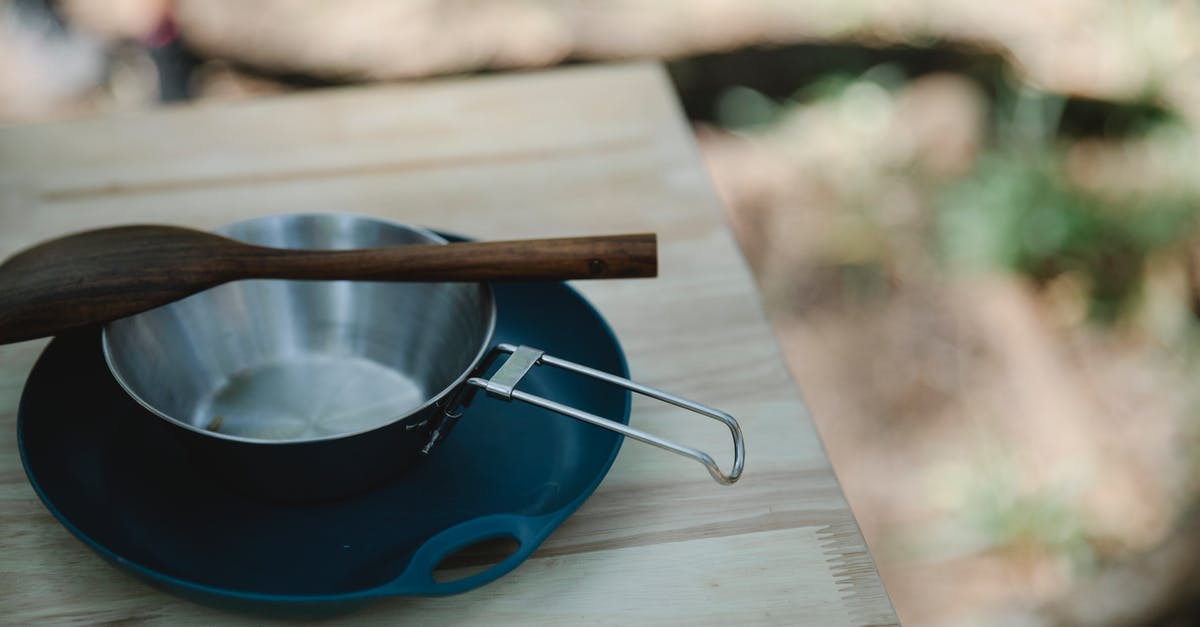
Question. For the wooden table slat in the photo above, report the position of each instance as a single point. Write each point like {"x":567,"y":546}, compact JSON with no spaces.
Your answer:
{"x":600,"y":149}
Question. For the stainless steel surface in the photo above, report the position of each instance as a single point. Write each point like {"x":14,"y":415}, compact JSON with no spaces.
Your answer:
{"x":289,"y":361}
{"x":512,"y":371}
{"x":504,"y":389}
{"x":268,"y":361}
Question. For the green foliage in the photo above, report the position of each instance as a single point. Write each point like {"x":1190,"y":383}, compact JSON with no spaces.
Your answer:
{"x":1049,"y":518}
{"x":742,"y":108}
{"x":1020,"y":211}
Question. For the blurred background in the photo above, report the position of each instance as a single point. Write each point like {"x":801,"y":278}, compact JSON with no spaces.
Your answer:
{"x":973,"y":226}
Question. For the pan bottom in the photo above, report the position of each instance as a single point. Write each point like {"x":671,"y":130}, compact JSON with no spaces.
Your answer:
{"x":307,"y":396}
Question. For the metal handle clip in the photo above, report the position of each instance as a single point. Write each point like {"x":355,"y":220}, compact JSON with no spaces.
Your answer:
{"x":503,"y":384}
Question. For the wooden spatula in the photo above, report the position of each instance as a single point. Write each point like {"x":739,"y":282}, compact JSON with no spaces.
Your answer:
{"x":105,"y":274}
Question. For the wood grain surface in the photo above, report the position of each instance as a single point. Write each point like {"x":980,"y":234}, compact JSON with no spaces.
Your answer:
{"x":590,"y":150}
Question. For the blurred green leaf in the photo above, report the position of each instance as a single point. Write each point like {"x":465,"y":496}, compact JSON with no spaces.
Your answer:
{"x":741,"y":108}
{"x":1018,"y":211}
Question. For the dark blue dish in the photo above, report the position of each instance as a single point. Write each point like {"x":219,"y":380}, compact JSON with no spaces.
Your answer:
{"x":125,"y":486}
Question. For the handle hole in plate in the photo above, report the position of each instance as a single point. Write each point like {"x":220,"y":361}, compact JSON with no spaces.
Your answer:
{"x":474,"y":558}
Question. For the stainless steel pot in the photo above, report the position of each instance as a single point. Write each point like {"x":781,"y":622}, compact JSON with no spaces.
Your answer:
{"x":316,"y":389}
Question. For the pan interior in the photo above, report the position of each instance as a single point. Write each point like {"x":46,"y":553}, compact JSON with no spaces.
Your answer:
{"x":303,"y":360}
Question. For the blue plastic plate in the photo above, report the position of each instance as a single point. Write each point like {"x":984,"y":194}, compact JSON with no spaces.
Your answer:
{"x":127,"y":489}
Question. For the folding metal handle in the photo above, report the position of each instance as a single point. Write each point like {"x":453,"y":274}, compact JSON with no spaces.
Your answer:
{"x":503,"y":384}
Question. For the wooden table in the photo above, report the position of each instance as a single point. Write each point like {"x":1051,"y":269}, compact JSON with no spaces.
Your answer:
{"x":576,"y":151}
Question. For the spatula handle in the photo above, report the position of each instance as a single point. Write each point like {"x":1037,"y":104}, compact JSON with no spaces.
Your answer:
{"x":559,"y":259}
